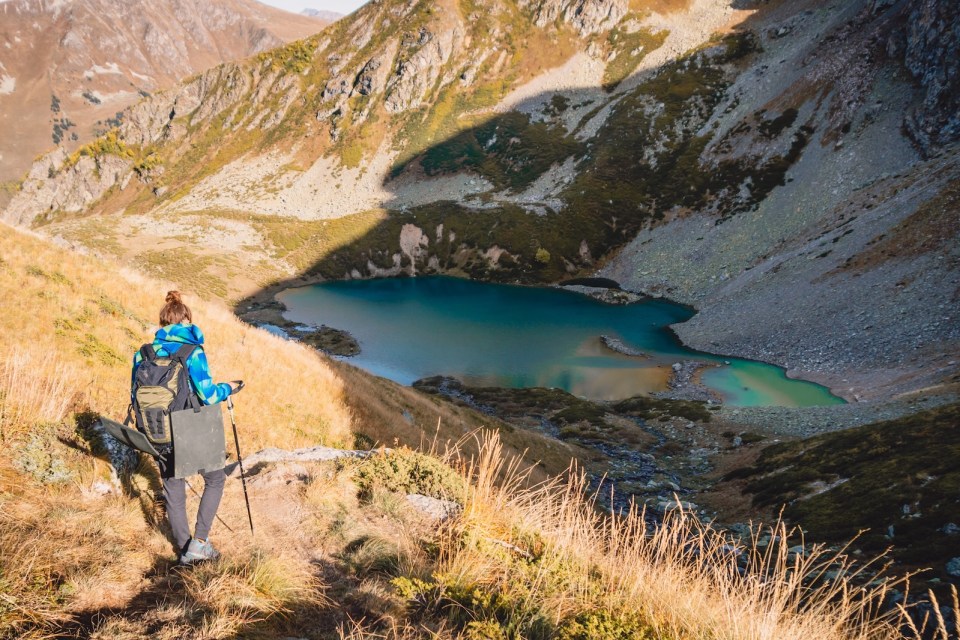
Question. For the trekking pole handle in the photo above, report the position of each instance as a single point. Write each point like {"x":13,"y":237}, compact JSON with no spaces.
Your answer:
{"x":237,"y":387}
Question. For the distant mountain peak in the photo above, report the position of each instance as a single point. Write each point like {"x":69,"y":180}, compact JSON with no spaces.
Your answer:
{"x":68,"y":67}
{"x":322,"y":14}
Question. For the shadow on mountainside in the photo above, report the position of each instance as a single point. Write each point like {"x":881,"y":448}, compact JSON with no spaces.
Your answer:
{"x":607,"y":186}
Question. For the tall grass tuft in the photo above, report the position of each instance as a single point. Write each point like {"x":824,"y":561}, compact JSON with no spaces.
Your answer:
{"x":237,"y":592}
{"x":35,"y":388}
{"x":524,"y":559}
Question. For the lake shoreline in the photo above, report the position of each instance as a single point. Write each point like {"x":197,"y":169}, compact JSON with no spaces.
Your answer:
{"x":264,"y":308}
{"x":498,"y":314}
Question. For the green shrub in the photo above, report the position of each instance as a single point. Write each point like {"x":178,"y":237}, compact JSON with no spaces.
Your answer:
{"x":407,"y":471}
{"x":481,"y":612}
{"x":604,"y":625}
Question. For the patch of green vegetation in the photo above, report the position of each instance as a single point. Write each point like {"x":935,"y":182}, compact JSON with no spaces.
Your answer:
{"x":478,"y":612}
{"x":652,"y":408}
{"x":423,"y":128}
{"x":352,"y":154}
{"x":604,"y":625}
{"x":111,"y":307}
{"x":332,"y":341}
{"x":407,"y":471}
{"x":37,"y":458}
{"x":65,"y":326}
{"x":148,"y":161}
{"x":295,"y":57}
{"x":502,"y":400}
{"x":92,"y":347}
{"x":837,"y":484}
{"x":740,"y":44}
{"x":53,"y":276}
{"x":10,"y":187}
{"x":629,"y":50}
{"x":509,"y":150}
{"x":582,"y":411}
{"x":109,"y":143}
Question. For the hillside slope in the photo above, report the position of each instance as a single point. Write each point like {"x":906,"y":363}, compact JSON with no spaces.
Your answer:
{"x":892,"y":485}
{"x":68,"y":69}
{"x":355,"y":547}
{"x":718,"y":154}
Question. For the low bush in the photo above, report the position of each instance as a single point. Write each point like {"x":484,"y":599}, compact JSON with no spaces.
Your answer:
{"x":407,"y":471}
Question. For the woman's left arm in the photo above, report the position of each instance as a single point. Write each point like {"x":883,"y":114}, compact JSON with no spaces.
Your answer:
{"x":209,"y":391}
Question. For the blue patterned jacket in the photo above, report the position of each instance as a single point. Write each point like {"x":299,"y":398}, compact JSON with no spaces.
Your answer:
{"x":167,"y":340}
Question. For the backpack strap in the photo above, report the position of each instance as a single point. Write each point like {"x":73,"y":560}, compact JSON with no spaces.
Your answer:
{"x":148,"y":352}
{"x":182,"y":354}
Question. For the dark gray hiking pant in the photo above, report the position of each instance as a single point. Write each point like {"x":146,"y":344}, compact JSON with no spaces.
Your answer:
{"x":175,"y":495}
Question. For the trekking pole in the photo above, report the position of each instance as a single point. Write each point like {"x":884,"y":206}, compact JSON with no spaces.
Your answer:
{"x":236,"y":441}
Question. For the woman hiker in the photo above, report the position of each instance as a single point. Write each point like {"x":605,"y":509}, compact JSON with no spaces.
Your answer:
{"x":178,"y":333}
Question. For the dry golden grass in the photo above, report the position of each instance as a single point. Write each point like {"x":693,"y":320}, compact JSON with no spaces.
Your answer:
{"x":69,"y":331}
{"x":550,"y":554}
{"x":64,"y":551}
{"x":35,"y":387}
{"x":76,"y":323}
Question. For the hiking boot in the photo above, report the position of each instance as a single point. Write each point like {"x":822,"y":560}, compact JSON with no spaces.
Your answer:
{"x":198,"y":551}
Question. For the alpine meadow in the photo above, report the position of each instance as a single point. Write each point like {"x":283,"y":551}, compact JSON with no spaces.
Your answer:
{"x":524,"y":320}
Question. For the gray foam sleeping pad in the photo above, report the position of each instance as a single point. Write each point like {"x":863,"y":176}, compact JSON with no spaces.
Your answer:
{"x":198,"y":441}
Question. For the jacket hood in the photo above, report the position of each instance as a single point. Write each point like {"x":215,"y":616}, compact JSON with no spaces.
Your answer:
{"x":178,"y":334}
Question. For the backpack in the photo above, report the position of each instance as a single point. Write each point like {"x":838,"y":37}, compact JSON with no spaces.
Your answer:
{"x":160,"y":387}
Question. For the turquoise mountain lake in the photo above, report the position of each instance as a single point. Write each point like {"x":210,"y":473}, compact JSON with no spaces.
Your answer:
{"x":512,"y":336}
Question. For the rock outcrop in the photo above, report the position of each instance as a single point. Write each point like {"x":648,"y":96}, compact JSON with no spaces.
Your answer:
{"x":929,"y":44}
{"x":419,"y":72}
{"x":586,"y":16}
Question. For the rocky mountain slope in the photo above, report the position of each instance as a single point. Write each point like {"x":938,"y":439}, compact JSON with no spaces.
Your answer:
{"x":789,"y":168}
{"x":68,"y":68}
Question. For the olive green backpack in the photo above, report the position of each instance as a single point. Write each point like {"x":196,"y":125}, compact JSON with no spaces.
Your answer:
{"x":160,"y":387}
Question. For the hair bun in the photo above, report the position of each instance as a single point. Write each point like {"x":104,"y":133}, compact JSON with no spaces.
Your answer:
{"x":174,"y":297}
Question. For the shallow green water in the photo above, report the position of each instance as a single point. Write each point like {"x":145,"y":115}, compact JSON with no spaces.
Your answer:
{"x":513,"y":336}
